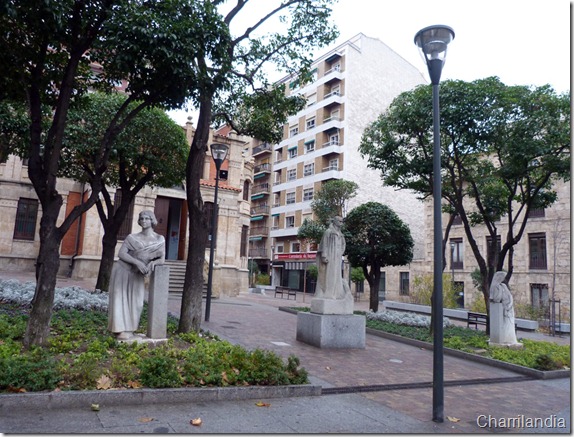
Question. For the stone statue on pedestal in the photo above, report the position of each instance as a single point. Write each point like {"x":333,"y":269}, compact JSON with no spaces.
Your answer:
{"x":138,"y":256}
{"x":502,"y":329}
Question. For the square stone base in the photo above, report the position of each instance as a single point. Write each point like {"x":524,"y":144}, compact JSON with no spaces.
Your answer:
{"x":331,"y":331}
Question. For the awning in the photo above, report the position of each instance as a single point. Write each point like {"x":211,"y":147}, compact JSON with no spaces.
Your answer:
{"x":275,"y":215}
{"x":257,"y":217}
{"x":258,"y":196}
{"x":255,"y":238}
{"x":292,"y":147}
{"x":259,"y":175}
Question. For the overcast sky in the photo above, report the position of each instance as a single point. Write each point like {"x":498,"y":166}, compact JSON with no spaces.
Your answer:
{"x":524,"y":42}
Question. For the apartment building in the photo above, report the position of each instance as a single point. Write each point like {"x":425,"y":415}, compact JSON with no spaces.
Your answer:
{"x":350,"y":86}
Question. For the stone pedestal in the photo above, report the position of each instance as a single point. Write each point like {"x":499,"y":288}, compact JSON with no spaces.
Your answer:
{"x":157,"y":303}
{"x":331,"y":331}
{"x":332,"y":306}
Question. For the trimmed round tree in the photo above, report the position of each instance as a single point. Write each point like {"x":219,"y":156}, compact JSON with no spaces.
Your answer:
{"x":375,"y":238}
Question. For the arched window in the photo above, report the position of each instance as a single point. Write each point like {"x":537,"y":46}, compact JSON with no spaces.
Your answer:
{"x":246,"y":190}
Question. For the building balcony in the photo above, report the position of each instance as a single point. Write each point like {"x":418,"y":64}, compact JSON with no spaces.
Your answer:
{"x":257,"y":231}
{"x":258,"y":189}
{"x":261,"y":149}
{"x":262,"y":168}
{"x":258,"y":252}
{"x":260,"y":210}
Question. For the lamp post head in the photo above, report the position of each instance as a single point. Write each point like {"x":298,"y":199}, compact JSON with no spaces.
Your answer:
{"x":432,"y":42}
{"x":219,"y":153}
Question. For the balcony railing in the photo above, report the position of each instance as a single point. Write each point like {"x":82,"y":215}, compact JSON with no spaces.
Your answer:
{"x":261,"y":209}
{"x":265,"y":167}
{"x":265,"y":147}
{"x":331,"y":94}
{"x":333,"y":118}
{"x":331,"y":143}
{"x":330,"y":168}
{"x":261,"y":188}
{"x":258,"y":253}
{"x":259,"y":230}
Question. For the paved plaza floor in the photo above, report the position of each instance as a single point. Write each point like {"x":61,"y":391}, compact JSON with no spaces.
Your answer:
{"x":384,"y":388}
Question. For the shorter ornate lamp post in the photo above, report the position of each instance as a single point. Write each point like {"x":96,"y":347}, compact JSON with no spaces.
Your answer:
{"x":432,"y":42}
{"x":218,"y":153}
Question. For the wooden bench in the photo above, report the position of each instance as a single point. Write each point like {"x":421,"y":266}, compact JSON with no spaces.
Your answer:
{"x":286,"y":290}
{"x":476,"y":319}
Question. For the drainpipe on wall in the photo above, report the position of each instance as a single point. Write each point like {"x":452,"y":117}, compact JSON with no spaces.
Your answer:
{"x":77,"y":243}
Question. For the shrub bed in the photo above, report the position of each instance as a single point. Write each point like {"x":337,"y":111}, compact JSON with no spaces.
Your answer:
{"x":83,"y":355}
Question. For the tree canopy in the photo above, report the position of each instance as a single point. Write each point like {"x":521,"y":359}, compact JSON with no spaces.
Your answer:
{"x":376,"y":237}
{"x":237,"y":91}
{"x":331,"y":200}
{"x":503,"y":149}
{"x":151,"y":150}
{"x":52,"y":52}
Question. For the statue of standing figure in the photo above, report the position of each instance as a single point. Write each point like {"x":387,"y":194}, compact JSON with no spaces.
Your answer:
{"x":502,"y":332}
{"x":138,"y":256}
{"x":330,"y":283}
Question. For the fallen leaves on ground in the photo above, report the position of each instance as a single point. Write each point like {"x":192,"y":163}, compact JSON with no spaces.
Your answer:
{"x":145,"y":419}
{"x":262,"y":404}
{"x":104,"y":383}
{"x":95,"y":407}
{"x":453,"y":419}
{"x":196,"y":422}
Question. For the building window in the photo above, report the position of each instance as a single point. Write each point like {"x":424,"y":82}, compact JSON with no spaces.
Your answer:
{"x":456,"y":253}
{"x":309,"y":169}
{"x":539,"y":296}
{"x":334,"y":164}
{"x":293,"y":131}
{"x":295,"y":247}
{"x":244,"y":240}
{"x":290,"y":221}
{"x":126,"y":227}
{"x":488,"y":250}
{"x":292,"y":174}
{"x":292,"y":152}
{"x":311,"y":99}
{"x":310,"y":123}
{"x":279,"y":248}
{"x":246,"y":190}
{"x":310,"y":147}
{"x":290,"y":198}
{"x":26,"y":216}
{"x":307,"y":194}
{"x":404,"y":284}
{"x":382,"y":286}
{"x":334,"y":140}
{"x":537,"y":243}
{"x":536,"y":212}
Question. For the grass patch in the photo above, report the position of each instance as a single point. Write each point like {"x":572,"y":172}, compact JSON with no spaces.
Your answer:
{"x":83,"y":355}
{"x":540,"y":355}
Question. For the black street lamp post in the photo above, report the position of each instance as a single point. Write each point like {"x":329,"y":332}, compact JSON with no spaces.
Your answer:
{"x":432,"y":42}
{"x":218,"y":153}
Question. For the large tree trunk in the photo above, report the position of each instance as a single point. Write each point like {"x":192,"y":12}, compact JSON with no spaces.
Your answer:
{"x":190,"y":316}
{"x":109,"y":242}
{"x":47,"y":266}
{"x":374,"y":279}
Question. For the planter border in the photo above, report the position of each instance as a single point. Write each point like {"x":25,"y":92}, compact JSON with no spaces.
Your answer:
{"x":150,"y":396}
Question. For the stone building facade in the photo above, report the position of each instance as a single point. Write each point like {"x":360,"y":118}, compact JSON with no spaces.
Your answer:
{"x":81,"y":248}
{"x":541,"y":259}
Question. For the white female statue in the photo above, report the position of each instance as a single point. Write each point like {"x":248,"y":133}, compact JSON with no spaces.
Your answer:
{"x":332,"y":295}
{"x":502,"y":333}
{"x":139,"y":254}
